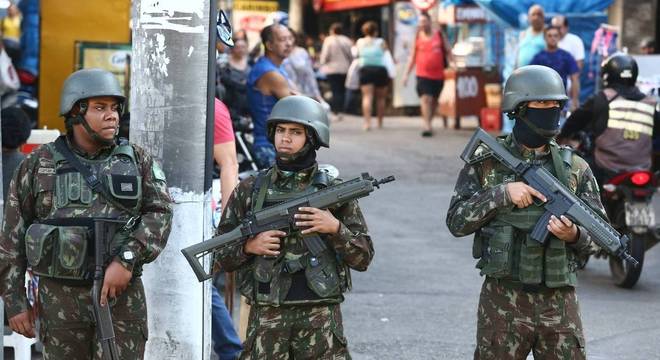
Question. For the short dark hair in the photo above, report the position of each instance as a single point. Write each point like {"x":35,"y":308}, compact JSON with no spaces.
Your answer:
{"x":16,"y":127}
{"x":425,"y":14}
{"x":336,"y":28}
{"x":548,"y":28}
{"x":267,"y":34}
{"x":370,"y":28}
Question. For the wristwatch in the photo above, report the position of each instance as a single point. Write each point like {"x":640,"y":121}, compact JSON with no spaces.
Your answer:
{"x":127,"y":256}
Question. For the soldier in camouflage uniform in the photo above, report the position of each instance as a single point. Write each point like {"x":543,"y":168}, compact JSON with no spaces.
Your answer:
{"x":528,"y":300}
{"x":46,"y":227}
{"x":295,"y":296}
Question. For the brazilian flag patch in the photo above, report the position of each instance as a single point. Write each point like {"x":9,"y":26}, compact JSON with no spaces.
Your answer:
{"x":158,"y":172}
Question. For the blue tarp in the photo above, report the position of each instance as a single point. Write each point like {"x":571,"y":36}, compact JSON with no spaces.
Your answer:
{"x":584,"y":18}
{"x":30,"y":36}
{"x":510,"y":11}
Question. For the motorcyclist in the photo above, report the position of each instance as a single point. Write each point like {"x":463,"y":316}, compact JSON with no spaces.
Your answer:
{"x":621,"y":120}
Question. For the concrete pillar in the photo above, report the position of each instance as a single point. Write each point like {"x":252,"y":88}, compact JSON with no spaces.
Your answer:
{"x":2,"y":304}
{"x":170,"y":109}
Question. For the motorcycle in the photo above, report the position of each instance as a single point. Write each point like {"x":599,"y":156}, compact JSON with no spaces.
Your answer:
{"x":627,"y":198}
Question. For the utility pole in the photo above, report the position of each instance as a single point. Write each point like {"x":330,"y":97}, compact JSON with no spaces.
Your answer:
{"x":170,"y":107}
{"x":296,"y":15}
{"x":2,"y":304}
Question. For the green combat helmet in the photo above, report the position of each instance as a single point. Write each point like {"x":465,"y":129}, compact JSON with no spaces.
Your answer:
{"x":85,"y":84}
{"x":301,"y":110}
{"x":529,"y":83}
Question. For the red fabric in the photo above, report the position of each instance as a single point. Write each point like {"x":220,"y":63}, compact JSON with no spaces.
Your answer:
{"x":429,"y":60}
{"x":224,"y":132}
{"x":341,"y":5}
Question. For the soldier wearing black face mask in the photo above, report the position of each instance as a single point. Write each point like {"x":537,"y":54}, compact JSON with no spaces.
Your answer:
{"x":524,"y":278}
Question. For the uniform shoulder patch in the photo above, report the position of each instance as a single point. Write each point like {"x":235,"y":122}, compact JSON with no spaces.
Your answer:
{"x":46,"y":171}
{"x":158,"y":173}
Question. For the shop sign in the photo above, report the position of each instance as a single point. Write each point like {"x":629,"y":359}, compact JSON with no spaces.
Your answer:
{"x":467,"y":87}
{"x":256,"y":6}
{"x":469,"y":14}
{"x":456,"y":14}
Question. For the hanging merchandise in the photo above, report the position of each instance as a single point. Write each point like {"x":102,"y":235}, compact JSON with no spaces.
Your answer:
{"x":603,"y":45}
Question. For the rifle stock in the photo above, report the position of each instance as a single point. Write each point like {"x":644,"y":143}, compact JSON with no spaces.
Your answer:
{"x":560,"y":200}
{"x":280,"y":217}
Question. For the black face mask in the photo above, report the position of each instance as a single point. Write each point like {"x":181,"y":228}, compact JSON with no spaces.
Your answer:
{"x":536,"y":127}
{"x":303,"y":159}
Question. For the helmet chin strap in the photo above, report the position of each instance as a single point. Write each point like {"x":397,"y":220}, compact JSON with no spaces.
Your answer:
{"x":289,"y":158}
{"x":80,"y":119}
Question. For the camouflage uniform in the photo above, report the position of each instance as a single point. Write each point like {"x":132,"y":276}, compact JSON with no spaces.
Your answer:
{"x":518,"y":312}
{"x":295,"y":321}
{"x":64,"y":304}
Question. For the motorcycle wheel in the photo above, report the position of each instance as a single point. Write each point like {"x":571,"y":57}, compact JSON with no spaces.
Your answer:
{"x":624,"y":274}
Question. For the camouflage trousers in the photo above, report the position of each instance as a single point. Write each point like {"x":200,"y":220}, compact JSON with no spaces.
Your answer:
{"x":295,"y":332}
{"x":67,"y":321}
{"x":512,"y":322}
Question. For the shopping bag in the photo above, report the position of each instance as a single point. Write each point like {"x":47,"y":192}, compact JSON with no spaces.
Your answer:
{"x":388,"y":61}
{"x":353,"y":75}
{"x":8,"y":77}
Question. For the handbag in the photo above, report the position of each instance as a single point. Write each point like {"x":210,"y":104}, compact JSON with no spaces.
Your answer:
{"x":353,"y":75}
{"x":9,"y":80}
{"x":388,"y":62}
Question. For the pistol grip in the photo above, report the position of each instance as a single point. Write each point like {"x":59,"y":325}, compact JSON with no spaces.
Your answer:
{"x":540,"y":232}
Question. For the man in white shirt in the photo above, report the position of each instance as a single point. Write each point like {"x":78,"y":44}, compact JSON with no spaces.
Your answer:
{"x":569,"y":42}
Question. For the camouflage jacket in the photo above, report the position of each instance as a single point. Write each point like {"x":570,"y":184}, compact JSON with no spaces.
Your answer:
{"x":30,"y":200}
{"x":477,"y":200}
{"x":352,"y":243}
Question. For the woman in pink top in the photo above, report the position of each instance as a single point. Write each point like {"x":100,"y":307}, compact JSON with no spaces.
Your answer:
{"x":428,"y":57}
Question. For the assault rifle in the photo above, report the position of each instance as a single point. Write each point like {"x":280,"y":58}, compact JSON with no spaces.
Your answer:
{"x":104,"y":230}
{"x":280,"y":217}
{"x":560,"y":201}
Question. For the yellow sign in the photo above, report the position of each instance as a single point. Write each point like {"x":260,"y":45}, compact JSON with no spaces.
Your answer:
{"x":260,"y":6}
{"x":111,"y":57}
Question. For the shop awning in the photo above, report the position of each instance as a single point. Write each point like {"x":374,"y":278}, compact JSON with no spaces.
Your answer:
{"x":341,"y":5}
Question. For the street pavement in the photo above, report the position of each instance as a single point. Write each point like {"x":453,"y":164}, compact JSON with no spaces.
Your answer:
{"x":418,"y":299}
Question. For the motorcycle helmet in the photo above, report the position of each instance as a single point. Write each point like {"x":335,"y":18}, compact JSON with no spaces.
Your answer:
{"x":619,"y":69}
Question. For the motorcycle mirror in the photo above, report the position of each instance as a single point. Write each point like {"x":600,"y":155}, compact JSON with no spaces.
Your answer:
{"x":223,"y":29}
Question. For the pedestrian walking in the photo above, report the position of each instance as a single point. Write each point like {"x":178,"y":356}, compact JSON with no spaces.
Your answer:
{"x":335,"y":59}
{"x":374,"y":79}
{"x":429,"y":58}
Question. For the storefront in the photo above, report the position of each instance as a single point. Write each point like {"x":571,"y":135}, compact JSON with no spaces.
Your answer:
{"x":320,"y":14}
{"x":476,"y":65}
